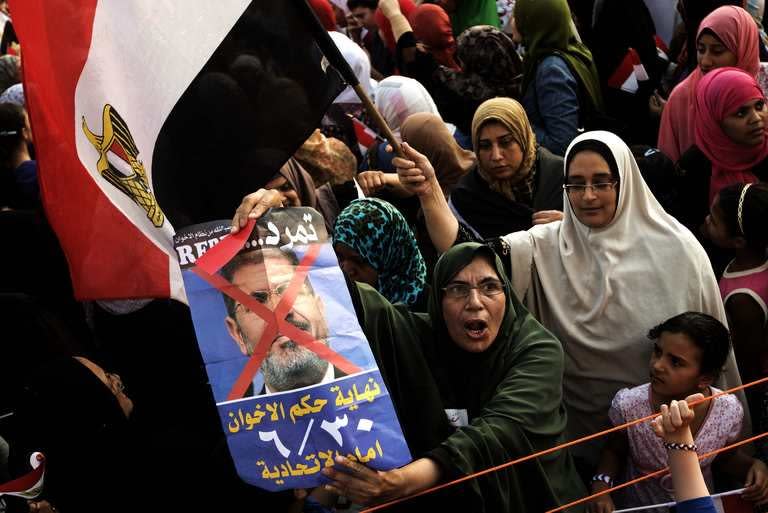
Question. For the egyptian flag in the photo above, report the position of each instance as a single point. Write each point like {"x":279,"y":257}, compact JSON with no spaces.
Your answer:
{"x":662,"y":52}
{"x":629,"y":74}
{"x":152,"y":115}
{"x":30,"y":484}
{"x":366,"y":137}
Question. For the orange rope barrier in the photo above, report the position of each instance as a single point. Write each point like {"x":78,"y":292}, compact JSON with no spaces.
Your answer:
{"x":654,"y":474}
{"x":564,"y":446}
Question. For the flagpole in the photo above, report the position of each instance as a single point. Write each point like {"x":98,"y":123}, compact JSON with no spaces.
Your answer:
{"x":378,"y":119}
{"x":332,"y":53}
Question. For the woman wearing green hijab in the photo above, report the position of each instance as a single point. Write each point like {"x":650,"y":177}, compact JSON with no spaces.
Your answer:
{"x":468,"y":13}
{"x":561,"y":90}
{"x":476,"y":383}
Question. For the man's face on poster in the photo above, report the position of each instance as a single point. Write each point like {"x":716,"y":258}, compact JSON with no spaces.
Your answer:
{"x":287,"y":365}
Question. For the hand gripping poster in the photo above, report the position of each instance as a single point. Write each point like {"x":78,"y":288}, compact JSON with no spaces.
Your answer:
{"x":291,"y":371}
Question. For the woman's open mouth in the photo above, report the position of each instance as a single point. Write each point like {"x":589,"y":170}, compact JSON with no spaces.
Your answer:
{"x":476,"y":329}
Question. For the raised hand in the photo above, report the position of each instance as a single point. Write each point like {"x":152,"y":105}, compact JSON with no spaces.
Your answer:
{"x":415,"y":172}
{"x":672,"y":424}
{"x":371,"y":181}
{"x":253,"y":206}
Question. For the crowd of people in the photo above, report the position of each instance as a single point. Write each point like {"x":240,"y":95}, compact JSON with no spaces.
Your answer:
{"x":568,"y":233}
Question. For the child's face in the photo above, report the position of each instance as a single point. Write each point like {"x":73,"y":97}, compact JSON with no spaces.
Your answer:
{"x":715,"y":228}
{"x":675,"y":367}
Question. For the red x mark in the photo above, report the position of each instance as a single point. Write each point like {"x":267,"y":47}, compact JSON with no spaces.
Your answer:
{"x":209,"y":264}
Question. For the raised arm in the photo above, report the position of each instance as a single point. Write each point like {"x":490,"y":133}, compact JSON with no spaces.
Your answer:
{"x":672,"y":426}
{"x":398,"y":21}
{"x":417,"y":175}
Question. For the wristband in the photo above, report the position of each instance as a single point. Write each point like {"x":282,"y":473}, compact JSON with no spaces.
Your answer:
{"x":603,"y":478}
{"x":674,"y":446}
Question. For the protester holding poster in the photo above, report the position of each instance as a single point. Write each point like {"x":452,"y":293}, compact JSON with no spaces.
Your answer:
{"x":459,"y":376}
{"x":293,"y":377}
{"x":496,"y":377}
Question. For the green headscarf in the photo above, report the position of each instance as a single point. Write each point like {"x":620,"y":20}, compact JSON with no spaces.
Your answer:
{"x":452,"y":362}
{"x":512,"y":392}
{"x":469,"y":13}
{"x":481,"y":372}
{"x":547,"y":28}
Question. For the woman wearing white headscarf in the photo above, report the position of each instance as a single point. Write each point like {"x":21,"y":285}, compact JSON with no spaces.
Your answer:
{"x":361,"y":66}
{"x":600,"y":289}
{"x":336,"y":122}
{"x":398,"y":97}
{"x":616,"y":265}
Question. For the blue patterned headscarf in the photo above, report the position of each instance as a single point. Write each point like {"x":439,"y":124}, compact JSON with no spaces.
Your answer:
{"x":382,"y":237}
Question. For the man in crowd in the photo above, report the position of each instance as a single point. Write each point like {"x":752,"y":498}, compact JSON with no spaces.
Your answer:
{"x":362,"y":29}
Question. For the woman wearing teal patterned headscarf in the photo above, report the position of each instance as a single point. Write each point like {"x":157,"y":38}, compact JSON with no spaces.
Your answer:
{"x":376,"y":246}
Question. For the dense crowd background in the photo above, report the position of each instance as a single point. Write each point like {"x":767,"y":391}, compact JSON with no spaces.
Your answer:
{"x":573,"y":237}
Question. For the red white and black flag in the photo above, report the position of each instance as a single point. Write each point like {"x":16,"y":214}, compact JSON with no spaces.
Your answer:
{"x":153,"y":115}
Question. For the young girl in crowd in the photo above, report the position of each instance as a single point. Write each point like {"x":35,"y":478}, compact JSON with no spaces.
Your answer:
{"x":689,"y":350}
{"x":737,"y":223}
{"x":731,"y":147}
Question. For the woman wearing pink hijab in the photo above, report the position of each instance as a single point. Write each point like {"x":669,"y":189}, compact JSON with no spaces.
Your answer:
{"x":730,"y":131}
{"x":727,"y":37}
{"x":731,"y":145}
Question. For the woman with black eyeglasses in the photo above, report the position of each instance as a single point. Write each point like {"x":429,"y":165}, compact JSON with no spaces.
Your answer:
{"x":614,"y":266}
{"x":476,"y":383}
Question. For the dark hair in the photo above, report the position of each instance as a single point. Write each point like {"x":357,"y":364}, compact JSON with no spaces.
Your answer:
{"x":754,"y":213}
{"x":706,"y":332}
{"x":250,"y":257}
{"x":370,"y":4}
{"x":10,"y":71}
{"x":11,"y":126}
{"x":708,"y":32}
{"x":598,"y":147}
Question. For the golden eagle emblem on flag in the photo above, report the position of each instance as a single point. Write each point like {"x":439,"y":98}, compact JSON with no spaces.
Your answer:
{"x":125,"y":171}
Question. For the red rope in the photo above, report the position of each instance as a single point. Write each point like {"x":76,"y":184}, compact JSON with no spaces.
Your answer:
{"x":570,"y":444}
{"x":654,"y":474}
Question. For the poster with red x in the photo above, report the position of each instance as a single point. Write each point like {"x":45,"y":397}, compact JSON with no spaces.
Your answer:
{"x":293,"y":376}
